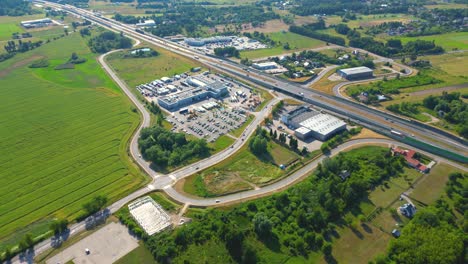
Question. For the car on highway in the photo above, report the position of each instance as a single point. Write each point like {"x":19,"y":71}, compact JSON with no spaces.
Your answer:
{"x":217,"y":201}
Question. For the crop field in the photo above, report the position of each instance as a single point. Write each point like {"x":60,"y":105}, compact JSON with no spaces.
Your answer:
{"x":64,"y":137}
{"x":296,"y":42}
{"x":448,"y":41}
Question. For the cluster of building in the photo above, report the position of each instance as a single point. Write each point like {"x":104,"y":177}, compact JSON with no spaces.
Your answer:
{"x":269,"y":67}
{"x":356,"y":73}
{"x":309,"y":123}
{"x":209,"y":44}
{"x":410,"y":160}
{"x":201,"y":89}
{"x":149,"y":215}
{"x":37,"y":23}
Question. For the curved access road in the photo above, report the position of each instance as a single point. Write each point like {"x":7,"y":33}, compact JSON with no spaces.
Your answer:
{"x":295,"y":177}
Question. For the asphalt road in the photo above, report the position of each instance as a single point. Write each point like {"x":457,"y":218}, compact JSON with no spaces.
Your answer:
{"x":165,"y":182}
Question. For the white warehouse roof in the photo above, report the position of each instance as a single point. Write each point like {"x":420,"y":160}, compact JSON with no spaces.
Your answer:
{"x":356,"y":70}
{"x":323,"y":123}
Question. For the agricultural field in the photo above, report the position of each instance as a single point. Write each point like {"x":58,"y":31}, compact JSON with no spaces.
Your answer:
{"x":448,"y":41}
{"x":296,"y":42}
{"x":241,"y":171}
{"x":64,"y":138}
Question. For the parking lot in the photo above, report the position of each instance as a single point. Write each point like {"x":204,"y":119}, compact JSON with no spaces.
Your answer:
{"x":106,"y":245}
{"x":209,"y":118}
{"x":210,"y":124}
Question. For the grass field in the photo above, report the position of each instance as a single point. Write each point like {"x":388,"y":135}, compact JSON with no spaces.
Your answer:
{"x":296,"y":42}
{"x":10,"y":25}
{"x":135,"y":71}
{"x":449,"y":41}
{"x":139,"y":255}
{"x":451,"y":63}
{"x":241,"y":171}
{"x":435,"y":182}
{"x":64,"y":138}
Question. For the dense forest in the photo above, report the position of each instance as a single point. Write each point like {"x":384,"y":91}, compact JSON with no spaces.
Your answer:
{"x":107,"y":41}
{"x":188,"y":18}
{"x":15,"y":8}
{"x":340,"y":7}
{"x":164,"y":148}
{"x":452,"y":108}
{"x":291,"y":223}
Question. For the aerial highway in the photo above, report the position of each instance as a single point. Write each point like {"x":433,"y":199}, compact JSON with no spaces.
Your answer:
{"x":368,"y":117}
{"x":166,"y":182}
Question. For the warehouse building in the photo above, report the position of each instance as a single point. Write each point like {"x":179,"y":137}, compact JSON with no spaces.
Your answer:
{"x":308,"y":123}
{"x":146,"y":23}
{"x":356,"y":73}
{"x":201,"y":92}
{"x":198,"y":42}
{"x":44,"y":22}
{"x":263,"y":66}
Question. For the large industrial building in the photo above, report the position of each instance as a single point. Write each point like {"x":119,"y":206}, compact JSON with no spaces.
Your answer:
{"x":202,"y":89}
{"x":265,"y":65}
{"x":308,"y":123}
{"x":198,"y":42}
{"x":146,"y":23}
{"x":356,"y":73}
{"x":44,"y":22}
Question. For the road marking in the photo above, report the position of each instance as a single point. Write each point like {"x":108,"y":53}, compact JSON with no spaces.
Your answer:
{"x":151,"y":187}
{"x":173,"y":177}
{"x":167,"y":187}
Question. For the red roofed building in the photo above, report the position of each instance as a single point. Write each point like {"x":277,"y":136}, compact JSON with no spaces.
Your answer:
{"x":409,"y":157}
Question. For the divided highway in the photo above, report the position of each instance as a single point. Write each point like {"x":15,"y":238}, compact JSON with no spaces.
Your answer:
{"x":377,"y":120}
{"x":165,"y":182}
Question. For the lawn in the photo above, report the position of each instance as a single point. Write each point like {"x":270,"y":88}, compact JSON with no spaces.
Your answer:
{"x":296,"y":42}
{"x":449,"y":41}
{"x":241,"y":171}
{"x":64,"y":138}
{"x":431,"y":187}
{"x":10,"y":25}
{"x":139,"y":255}
{"x":359,"y":245}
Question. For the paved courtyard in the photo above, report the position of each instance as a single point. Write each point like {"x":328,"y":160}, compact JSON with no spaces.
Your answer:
{"x":106,"y":245}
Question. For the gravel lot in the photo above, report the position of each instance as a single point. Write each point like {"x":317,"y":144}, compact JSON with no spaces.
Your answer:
{"x":106,"y":245}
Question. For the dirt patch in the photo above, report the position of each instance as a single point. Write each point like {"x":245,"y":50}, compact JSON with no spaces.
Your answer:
{"x":18,"y":64}
{"x":367,"y":133}
{"x":224,"y":182}
{"x":270,"y":26}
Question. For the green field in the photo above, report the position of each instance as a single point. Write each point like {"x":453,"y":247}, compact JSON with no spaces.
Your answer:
{"x":448,"y":41}
{"x":10,"y":25}
{"x":140,"y":255}
{"x":241,"y":171}
{"x":296,"y":42}
{"x":136,"y":71}
{"x":64,"y":138}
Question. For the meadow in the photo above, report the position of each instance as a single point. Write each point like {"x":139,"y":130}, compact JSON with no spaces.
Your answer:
{"x":448,"y":41}
{"x":241,"y":171}
{"x":296,"y":43}
{"x":136,"y":71}
{"x":64,"y":138}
